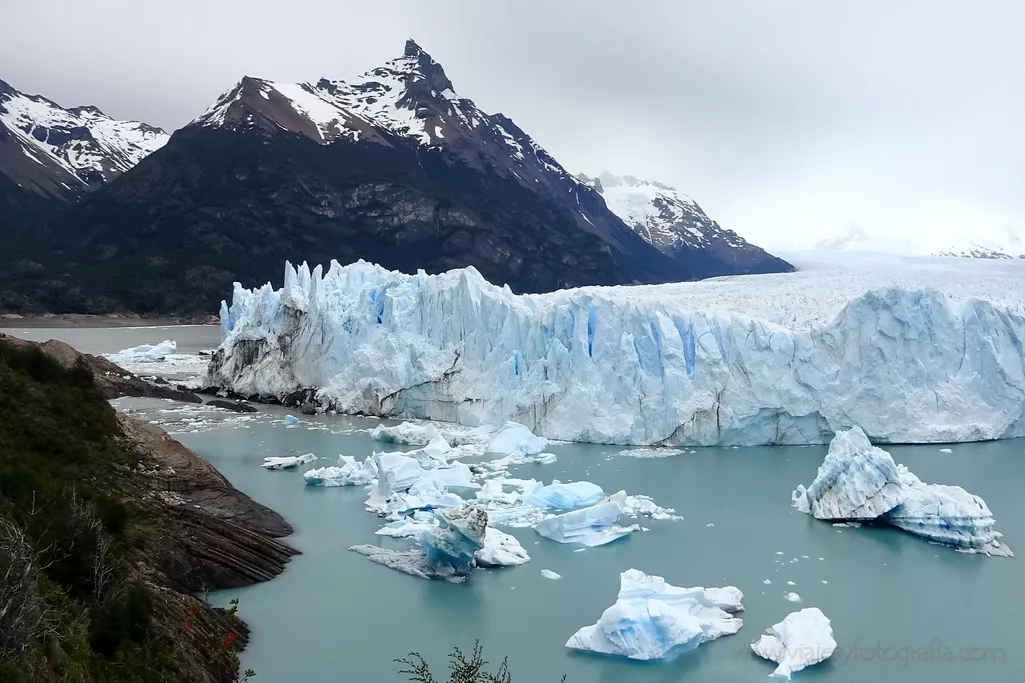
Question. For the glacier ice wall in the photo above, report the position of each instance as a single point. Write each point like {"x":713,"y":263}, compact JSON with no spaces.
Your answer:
{"x":626,"y":365}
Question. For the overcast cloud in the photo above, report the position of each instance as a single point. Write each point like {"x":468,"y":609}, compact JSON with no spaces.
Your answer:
{"x":786,"y":120}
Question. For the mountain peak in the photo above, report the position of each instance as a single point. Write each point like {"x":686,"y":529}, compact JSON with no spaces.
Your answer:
{"x":412,"y":49}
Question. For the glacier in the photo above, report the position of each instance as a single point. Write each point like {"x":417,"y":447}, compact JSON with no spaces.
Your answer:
{"x":860,"y":482}
{"x":802,"y":639}
{"x":738,"y":361}
{"x":653,"y":620}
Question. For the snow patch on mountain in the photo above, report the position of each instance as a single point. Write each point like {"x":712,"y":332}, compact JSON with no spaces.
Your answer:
{"x":91,"y":147}
{"x":967,"y":242}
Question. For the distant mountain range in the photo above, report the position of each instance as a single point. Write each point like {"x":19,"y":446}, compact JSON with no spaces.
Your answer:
{"x":975,"y":243}
{"x":392,"y":166}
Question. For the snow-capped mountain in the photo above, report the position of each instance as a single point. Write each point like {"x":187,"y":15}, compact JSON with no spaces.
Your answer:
{"x":674,"y":223}
{"x":391,"y":166}
{"x":50,"y":150}
{"x":983,"y":244}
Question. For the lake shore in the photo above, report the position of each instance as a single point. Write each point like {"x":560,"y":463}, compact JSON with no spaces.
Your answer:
{"x":43,"y":320}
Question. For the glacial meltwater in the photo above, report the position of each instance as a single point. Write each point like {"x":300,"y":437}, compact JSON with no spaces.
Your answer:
{"x":901,"y":609}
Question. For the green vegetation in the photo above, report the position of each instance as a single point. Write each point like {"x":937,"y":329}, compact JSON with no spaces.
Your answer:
{"x":462,"y":668}
{"x":75,"y":605}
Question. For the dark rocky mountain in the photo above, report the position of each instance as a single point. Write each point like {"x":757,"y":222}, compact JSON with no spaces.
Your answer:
{"x":392,"y":167}
{"x":675,"y":224}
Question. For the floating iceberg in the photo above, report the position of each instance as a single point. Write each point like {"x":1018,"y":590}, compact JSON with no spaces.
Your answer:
{"x":406,"y":434}
{"x":590,"y":526}
{"x":948,"y":515}
{"x":654,"y":620}
{"x":446,"y":551}
{"x":147,"y":353}
{"x":352,"y":472}
{"x":856,"y":481}
{"x":515,"y":438}
{"x":549,"y":574}
{"x":288,"y":461}
{"x":559,"y":496}
{"x":501,"y":550}
{"x":687,"y":364}
{"x":802,"y":639}
{"x":290,"y":420}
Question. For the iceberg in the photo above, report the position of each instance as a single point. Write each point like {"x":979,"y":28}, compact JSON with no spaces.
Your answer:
{"x":559,"y":496}
{"x":549,"y":574}
{"x":802,"y":639}
{"x":515,"y":438}
{"x":501,"y":550}
{"x":405,"y":434}
{"x":288,"y":461}
{"x":590,"y":526}
{"x":856,"y":481}
{"x":290,"y":420}
{"x":653,"y":620}
{"x":352,"y":472}
{"x":146,"y":353}
{"x":948,"y":515}
{"x":446,"y":551}
{"x":754,"y":360}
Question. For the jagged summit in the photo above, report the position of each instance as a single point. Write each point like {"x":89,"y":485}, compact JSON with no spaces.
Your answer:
{"x":52,"y":151}
{"x":673,"y":222}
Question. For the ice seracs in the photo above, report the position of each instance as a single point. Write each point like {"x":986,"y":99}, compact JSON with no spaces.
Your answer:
{"x":688,"y":364}
{"x":653,"y":620}
{"x":856,"y":481}
{"x":860,"y":482}
{"x":802,"y":639}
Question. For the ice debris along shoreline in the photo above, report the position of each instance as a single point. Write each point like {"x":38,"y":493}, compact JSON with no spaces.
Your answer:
{"x":421,"y":491}
{"x":801,"y":640}
{"x":660,"y":365}
{"x":653,"y":620}
{"x":860,"y":482}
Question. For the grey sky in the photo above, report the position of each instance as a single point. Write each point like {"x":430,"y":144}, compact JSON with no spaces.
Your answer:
{"x":785,"y":119}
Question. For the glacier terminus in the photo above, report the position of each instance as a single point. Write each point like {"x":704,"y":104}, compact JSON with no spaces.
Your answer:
{"x":691,"y":364}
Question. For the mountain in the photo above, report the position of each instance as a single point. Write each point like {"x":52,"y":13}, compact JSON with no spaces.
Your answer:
{"x":392,"y":166}
{"x":981,"y":243}
{"x":675,"y":224}
{"x":59,"y":153}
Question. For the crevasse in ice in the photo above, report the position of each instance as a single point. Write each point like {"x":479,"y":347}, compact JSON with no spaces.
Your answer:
{"x":627,"y":365}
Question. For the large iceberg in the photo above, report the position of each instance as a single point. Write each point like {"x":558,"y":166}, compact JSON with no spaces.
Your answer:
{"x":856,"y":481}
{"x":591,"y":526}
{"x":687,"y":364}
{"x":802,"y":639}
{"x":559,"y":496}
{"x":860,"y":482}
{"x":654,"y":620}
{"x":287,"y":461}
{"x":146,"y":353}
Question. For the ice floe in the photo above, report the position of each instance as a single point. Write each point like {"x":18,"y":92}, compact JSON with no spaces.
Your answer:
{"x":652,"y":619}
{"x":288,"y":461}
{"x":802,"y":639}
{"x":590,"y":526}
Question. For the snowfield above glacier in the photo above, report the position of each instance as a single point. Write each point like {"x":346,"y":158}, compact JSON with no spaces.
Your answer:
{"x":911,"y":350}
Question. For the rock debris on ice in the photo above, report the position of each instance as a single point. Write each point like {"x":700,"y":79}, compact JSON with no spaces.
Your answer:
{"x":802,"y":639}
{"x":653,"y":620}
{"x":681,"y":365}
{"x":858,"y":481}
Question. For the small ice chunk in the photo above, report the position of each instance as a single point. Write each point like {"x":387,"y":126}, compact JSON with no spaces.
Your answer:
{"x":802,"y":639}
{"x":290,"y":420}
{"x":766,"y":581}
{"x":351,"y":473}
{"x":779,"y":552}
{"x":946,"y":450}
{"x":549,"y":574}
{"x":792,"y":597}
{"x":590,"y":526}
{"x":559,"y":496}
{"x":710,"y":524}
{"x":652,"y":619}
{"x":516,"y":438}
{"x":580,"y":550}
{"x":791,"y":583}
{"x":501,"y":550}
{"x":288,"y":461}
